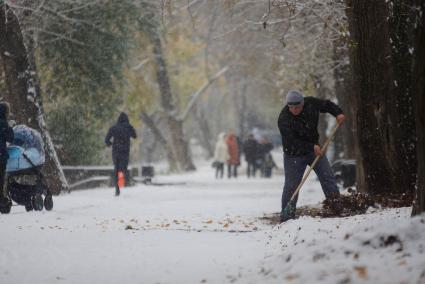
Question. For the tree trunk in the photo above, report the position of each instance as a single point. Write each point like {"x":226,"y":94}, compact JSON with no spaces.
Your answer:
{"x":204,"y":131}
{"x":402,"y":31}
{"x":419,"y":90}
{"x":161,"y":139}
{"x":374,"y":84}
{"x":355,"y":104}
{"x":2,"y":80}
{"x":24,"y":93}
{"x":344,"y":146}
{"x":243,"y":111}
{"x":180,"y":145}
{"x":322,"y":126}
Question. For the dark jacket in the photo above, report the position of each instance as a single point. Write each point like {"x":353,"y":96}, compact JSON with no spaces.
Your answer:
{"x":121,"y":133}
{"x":263,"y":148}
{"x":6,"y":134}
{"x":250,"y":150}
{"x":299,"y":132}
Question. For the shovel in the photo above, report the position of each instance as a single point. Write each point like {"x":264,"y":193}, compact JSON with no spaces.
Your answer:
{"x":289,"y":209}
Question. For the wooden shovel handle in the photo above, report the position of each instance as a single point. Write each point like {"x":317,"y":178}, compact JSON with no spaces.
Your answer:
{"x":315,"y":161}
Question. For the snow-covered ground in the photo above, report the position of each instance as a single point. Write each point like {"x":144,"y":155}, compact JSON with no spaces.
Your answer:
{"x":203,"y":230}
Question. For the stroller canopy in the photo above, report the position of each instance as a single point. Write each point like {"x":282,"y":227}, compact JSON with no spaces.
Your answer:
{"x":26,"y":150}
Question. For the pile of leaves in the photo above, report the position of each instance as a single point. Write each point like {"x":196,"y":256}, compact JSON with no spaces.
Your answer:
{"x":353,"y":203}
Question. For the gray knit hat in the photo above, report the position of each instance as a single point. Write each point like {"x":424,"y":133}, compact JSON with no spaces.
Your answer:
{"x":294,"y":98}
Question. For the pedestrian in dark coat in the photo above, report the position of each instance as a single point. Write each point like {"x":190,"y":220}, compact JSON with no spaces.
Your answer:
{"x":6,"y":135}
{"x":264,"y":148}
{"x":298,"y":126}
{"x":268,"y":166}
{"x":120,"y":134}
{"x":250,"y":151}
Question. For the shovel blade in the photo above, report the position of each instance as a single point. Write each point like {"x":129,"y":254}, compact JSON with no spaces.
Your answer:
{"x":288,"y":212}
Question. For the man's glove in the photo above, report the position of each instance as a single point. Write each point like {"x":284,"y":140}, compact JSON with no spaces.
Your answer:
{"x":318,"y":150}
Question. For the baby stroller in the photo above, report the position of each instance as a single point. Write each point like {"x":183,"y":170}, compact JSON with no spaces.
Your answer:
{"x":25,"y":183}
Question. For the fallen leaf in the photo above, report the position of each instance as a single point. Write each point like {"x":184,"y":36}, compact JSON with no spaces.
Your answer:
{"x":361,"y":271}
{"x":291,"y":277}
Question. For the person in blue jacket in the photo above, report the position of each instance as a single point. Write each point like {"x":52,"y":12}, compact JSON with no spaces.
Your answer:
{"x":120,"y":133}
{"x":6,"y":135}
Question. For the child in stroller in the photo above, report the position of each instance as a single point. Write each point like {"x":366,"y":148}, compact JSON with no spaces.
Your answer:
{"x":24,"y":181}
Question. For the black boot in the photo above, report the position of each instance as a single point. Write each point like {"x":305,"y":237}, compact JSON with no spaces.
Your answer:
{"x":5,"y":204}
{"x":117,"y":191}
{"x":288,"y":212}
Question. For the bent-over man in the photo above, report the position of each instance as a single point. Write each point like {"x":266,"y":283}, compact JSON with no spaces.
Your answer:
{"x":300,"y":139}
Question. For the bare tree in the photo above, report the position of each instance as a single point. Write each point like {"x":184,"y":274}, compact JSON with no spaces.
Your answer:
{"x":175,"y":125}
{"x":419,"y":90}
{"x":147,"y":119}
{"x":402,"y":21}
{"x":24,"y":92}
{"x":374,"y":83}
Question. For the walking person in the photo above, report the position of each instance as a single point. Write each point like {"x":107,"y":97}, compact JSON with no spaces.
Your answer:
{"x":120,"y":133}
{"x":6,"y":135}
{"x":233,"y":162}
{"x":269,"y":165}
{"x":221,"y":155}
{"x":264,"y":148}
{"x":300,"y":139}
{"x":250,"y":151}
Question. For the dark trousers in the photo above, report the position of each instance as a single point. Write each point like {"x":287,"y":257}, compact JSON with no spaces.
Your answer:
{"x":294,"y":170}
{"x":120,"y":165}
{"x":232,"y":170}
{"x":219,"y":170}
{"x":268,"y":172}
{"x":251,"y":169}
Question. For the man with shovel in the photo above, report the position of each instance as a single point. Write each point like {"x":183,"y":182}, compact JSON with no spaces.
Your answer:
{"x":300,"y":139}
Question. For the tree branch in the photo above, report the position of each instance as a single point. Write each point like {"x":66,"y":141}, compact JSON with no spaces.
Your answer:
{"x":141,"y":64}
{"x":198,"y":93}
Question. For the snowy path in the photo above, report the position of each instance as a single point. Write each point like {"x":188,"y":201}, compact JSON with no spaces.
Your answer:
{"x":203,"y":231}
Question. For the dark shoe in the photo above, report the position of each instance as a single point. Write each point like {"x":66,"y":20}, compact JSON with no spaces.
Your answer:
{"x":283,"y":218}
{"x":287,"y":213}
{"x":28,"y":206}
{"x":117,"y":191}
{"x":5,"y":205}
{"x":37,"y":202}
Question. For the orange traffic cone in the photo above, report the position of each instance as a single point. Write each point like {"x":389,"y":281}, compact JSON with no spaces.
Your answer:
{"x":121,"y":179}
